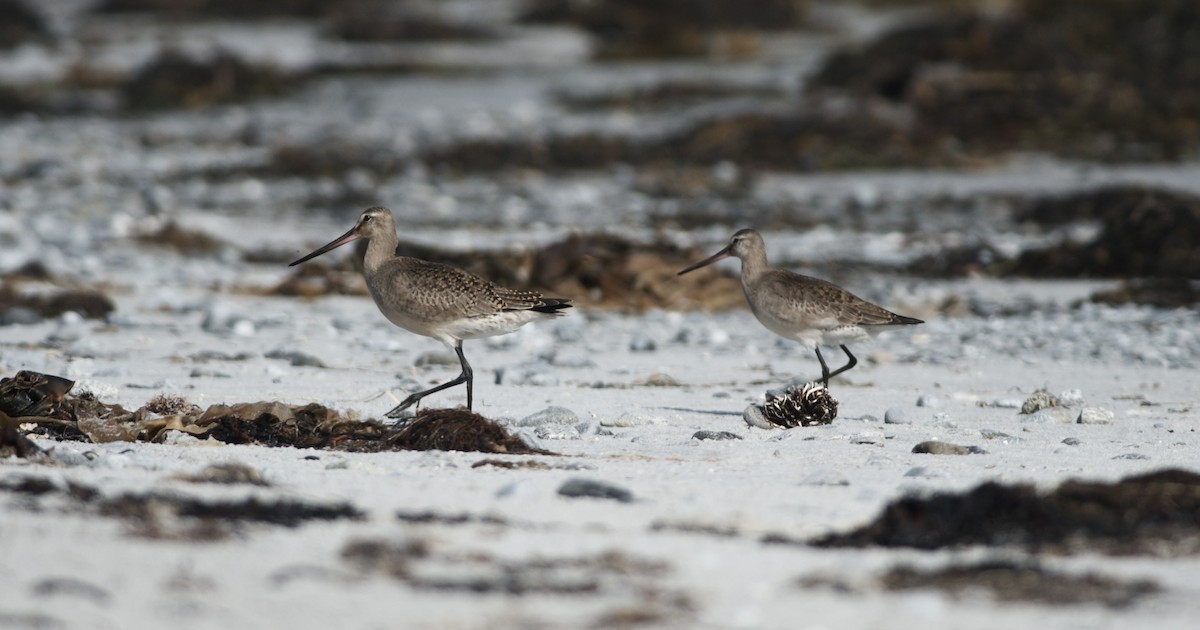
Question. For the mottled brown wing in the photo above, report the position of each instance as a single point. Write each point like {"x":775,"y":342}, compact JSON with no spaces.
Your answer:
{"x":812,"y":301}
{"x":435,"y":288}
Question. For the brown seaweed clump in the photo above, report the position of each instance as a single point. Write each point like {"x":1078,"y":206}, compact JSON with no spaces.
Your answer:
{"x":175,"y":79}
{"x":40,"y":400}
{"x":1156,"y":513}
{"x":1107,"y":79}
{"x":1143,"y":233}
{"x":670,"y":28}
{"x":19,"y":23}
{"x":1010,"y":581}
{"x":459,"y":430}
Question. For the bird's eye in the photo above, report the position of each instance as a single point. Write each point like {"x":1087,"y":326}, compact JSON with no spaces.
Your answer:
{"x":367,"y":218}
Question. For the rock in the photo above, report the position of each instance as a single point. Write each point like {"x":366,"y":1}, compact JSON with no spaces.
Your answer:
{"x":642,"y":343}
{"x":628,"y":419}
{"x":1071,"y":398}
{"x":1006,"y":403}
{"x":658,"y":379}
{"x":1060,"y":415}
{"x":937,"y":447}
{"x":715,"y":435}
{"x":538,"y":373}
{"x":296,"y":358}
{"x":1040,"y":399}
{"x":896,"y":415}
{"x":753,"y":416}
{"x":580,"y":487}
{"x":1071,"y":441}
{"x":926,"y":400}
{"x":1095,"y":415}
{"x":549,"y":415}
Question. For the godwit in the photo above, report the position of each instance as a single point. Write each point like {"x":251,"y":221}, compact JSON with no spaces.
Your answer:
{"x":804,"y":309}
{"x":436,"y":300}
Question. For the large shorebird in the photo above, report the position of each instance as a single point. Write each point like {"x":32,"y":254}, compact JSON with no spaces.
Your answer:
{"x":809,"y":310}
{"x":436,"y":300}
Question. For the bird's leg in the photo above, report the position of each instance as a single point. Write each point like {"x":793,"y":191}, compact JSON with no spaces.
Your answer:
{"x":466,"y":376}
{"x":824,"y":368}
{"x":853,"y":362}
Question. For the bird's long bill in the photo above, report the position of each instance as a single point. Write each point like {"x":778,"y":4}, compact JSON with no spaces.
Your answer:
{"x":341,"y":240}
{"x":721,"y":255}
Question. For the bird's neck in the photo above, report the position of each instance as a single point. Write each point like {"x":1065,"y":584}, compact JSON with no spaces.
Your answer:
{"x":753,"y":267}
{"x":379,"y":250}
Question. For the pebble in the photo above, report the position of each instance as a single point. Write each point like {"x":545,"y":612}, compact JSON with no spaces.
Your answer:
{"x":538,"y":373}
{"x":753,"y":416}
{"x":992,"y":434}
{"x":1006,"y":403}
{"x":1060,"y":415}
{"x":896,"y":415}
{"x":925,"y":400}
{"x":580,"y":487}
{"x":1071,"y":441}
{"x":549,"y":415}
{"x":1095,"y":415}
{"x":937,"y":447}
{"x":296,"y":358}
{"x":921,"y":471}
{"x":715,"y":435}
{"x":628,"y":419}
{"x":220,"y":319}
{"x":1071,"y":398}
{"x":642,"y":343}
{"x":1040,"y":399}
{"x":19,"y":315}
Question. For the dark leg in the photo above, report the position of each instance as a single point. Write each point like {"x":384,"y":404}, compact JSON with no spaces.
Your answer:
{"x":853,"y":362}
{"x":826,"y":374}
{"x":467,"y":376}
{"x":824,"y":369}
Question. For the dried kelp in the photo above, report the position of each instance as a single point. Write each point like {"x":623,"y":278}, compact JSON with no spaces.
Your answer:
{"x":40,"y":400}
{"x":459,"y":430}
{"x":1154,"y":513}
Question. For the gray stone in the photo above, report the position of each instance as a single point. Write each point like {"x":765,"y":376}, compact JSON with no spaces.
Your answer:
{"x":1071,"y":398}
{"x":296,"y":358}
{"x":896,"y":415}
{"x":926,"y":400}
{"x":1051,"y":415}
{"x":580,"y":487}
{"x":937,"y":447}
{"x":1095,"y":415}
{"x":715,"y":435}
{"x":549,"y":415}
{"x":753,"y":416}
{"x":20,"y":315}
{"x":642,"y":343}
{"x":1071,"y":441}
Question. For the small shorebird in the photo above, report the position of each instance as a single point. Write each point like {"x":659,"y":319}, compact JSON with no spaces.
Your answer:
{"x":804,"y":309}
{"x":436,"y":300}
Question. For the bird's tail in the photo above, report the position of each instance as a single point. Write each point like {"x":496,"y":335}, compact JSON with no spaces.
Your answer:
{"x":552,"y":305}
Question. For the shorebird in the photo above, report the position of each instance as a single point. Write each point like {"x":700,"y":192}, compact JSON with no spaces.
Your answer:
{"x":436,"y":300}
{"x":809,"y":310}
